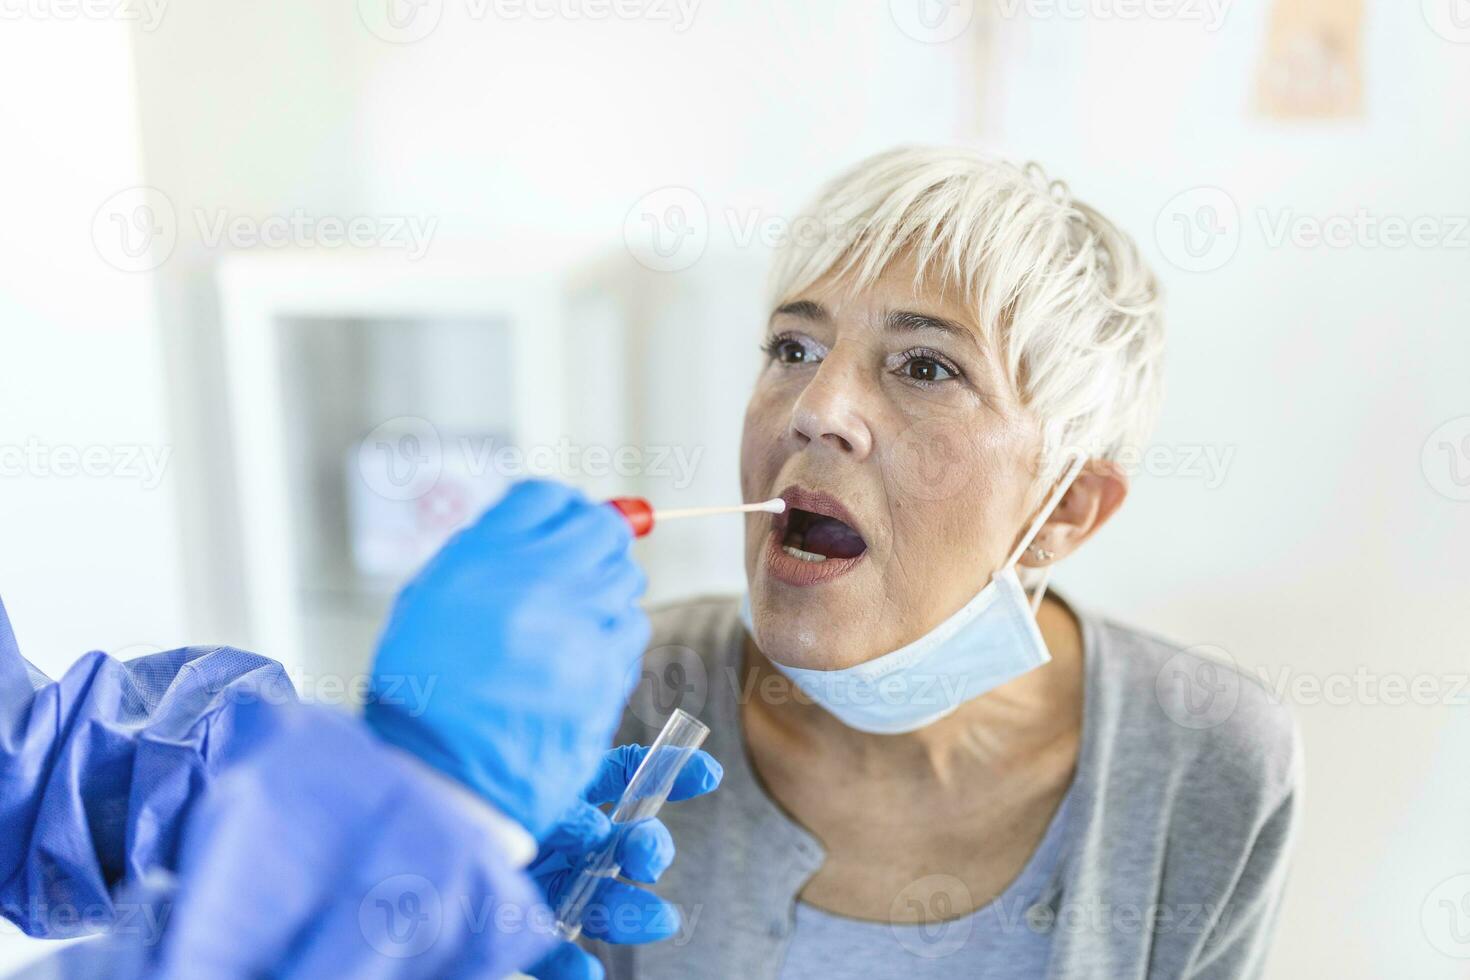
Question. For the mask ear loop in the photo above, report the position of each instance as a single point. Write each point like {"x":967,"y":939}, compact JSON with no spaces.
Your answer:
{"x":1074,"y":468}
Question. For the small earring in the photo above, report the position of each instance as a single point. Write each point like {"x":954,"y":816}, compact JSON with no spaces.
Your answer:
{"x":1040,"y":553}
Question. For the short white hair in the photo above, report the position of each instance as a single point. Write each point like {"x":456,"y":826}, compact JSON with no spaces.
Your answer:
{"x":1058,"y":290}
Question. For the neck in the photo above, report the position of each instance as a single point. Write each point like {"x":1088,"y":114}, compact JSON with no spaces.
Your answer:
{"x":999,"y":729}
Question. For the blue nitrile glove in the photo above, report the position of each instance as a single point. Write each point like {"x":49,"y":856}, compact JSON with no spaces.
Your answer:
{"x":507,"y":660}
{"x":619,"y":912}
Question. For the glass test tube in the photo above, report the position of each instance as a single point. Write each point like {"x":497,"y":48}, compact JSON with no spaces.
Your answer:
{"x":644,"y":796}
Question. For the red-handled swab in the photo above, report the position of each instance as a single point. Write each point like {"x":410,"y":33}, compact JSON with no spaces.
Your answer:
{"x":640,"y":515}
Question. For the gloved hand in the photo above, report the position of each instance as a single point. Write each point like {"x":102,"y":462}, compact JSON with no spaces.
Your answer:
{"x":619,"y":913}
{"x":506,"y":662}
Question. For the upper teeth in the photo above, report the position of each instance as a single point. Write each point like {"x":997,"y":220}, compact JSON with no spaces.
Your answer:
{"x":803,"y":555}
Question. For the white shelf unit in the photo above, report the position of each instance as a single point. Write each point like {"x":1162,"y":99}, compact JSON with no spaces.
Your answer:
{"x":322,"y":350}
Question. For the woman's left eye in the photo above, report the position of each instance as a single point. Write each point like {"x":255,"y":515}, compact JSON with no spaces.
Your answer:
{"x":926,"y":369}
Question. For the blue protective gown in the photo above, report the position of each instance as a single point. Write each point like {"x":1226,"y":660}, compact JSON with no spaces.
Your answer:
{"x":287,"y":839}
{"x":98,"y":771}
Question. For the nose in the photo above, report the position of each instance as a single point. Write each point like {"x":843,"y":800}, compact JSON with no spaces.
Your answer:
{"x":828,"y":412}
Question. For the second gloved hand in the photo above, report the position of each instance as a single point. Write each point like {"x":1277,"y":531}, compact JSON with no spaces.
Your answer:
{"x":619,"y":912}
{"x":507,"y":660}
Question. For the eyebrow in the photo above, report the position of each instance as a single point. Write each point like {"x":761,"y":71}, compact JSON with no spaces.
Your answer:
{"x":896,"y":321}
{"x":803,"y":308}
{"x":900,"y":321}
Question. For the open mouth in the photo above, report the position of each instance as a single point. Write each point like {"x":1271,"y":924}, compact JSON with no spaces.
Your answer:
{"x":811,"y":529}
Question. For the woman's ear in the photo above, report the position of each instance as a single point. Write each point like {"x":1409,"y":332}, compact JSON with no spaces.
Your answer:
{"x":1096,"y":494}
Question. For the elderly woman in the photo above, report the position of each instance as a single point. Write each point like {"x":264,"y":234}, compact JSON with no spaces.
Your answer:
{"x":931,"y":769}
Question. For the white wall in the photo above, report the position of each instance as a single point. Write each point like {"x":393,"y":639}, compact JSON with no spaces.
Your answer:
{"x":246,"y":111}
{"x":86,"y":561}
{"x":1325,"y":546}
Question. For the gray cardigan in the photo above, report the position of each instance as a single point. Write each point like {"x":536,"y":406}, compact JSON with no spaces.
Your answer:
{"x":1174,"y":857}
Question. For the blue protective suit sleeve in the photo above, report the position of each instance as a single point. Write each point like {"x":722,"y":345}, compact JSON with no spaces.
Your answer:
{"x":99,"y":770}
{"x":325,"y":853}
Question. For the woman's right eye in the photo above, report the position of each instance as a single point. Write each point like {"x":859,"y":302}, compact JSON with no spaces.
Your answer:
{"x":791,"y":350}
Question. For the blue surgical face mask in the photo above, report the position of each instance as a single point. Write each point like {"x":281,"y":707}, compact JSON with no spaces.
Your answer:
{"x":992,"y":639}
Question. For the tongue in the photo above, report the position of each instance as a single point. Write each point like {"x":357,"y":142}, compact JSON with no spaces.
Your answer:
{"x":829,"y":536}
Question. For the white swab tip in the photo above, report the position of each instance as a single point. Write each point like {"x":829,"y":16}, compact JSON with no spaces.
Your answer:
{"x":774,"y":506}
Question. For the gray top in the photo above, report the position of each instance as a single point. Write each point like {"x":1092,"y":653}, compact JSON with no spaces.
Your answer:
{"x":1006,"y":939}
{"x":1171,"y":863}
